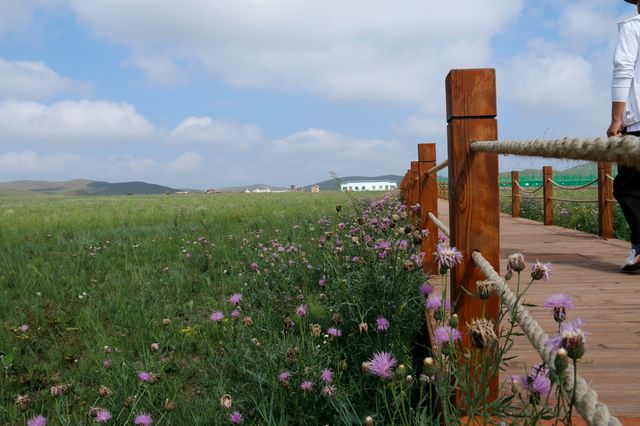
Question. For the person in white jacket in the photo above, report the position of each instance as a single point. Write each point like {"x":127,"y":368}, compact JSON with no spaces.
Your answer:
{"x":625,"y":119}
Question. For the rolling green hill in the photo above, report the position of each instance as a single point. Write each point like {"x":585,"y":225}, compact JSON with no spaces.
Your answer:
{"x":81,"y":187}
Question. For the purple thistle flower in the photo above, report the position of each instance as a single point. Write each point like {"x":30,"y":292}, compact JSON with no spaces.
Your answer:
{"x":540,"y":385}
{"x":435,"y":303}
{"x":106,"y":363}
{"x":235,"y":299}
{"x":103,"y":416}
{"x":560,"y":303}
{"x":326,"y":375}
{"x":446,"y":334}
{"x":236,"y":417}
{"x":403,"y":244}
{"x":307,"y":385}
{"x":236,"y":314}
{"x":37,"y":421}
{"x":24,"y":328}
{"x":144,"y":376}
{"x":284,"y":377}
{"x":254,"y":267}
{"x":446,"y":256}
{"x":217,"y":316}
{"x":541,"y":271}
{"x":322,"y":282}
{"x":383,"y":245}
{"x":382,"y":364}
{"x":442,"y":237}
{"x":426,"y":289}
{"x":382,"y":324}
{"x":572,"y":338}
{"x":329,"y":391}
{"x":301,"y":310}
{"x":334,"y":332}
{"x":143,"y":419}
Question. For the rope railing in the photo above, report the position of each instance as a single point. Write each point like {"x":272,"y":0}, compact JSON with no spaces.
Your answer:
{"x":586,"y":402}
{"x":528,"y":191}
{"x":572,"y":188}
{"x":569,"y":200}
{"x":609,"y":177}
{"x":617,"y":149}
{"x":437,"y":168}
{"x":438,"y":223}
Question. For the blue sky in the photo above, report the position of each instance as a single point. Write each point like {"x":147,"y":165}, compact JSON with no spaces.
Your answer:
{"x":210,"y":93}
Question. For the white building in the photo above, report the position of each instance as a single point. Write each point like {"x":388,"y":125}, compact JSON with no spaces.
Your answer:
{"x":364,"y":185}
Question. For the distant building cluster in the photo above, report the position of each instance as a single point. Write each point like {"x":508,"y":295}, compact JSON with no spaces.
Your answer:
{"x":364,"y":185}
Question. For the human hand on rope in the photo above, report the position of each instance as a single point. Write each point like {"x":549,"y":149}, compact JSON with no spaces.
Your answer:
{"x":615,"y":128}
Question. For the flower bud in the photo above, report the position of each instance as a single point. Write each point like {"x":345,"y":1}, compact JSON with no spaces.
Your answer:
{"x":454,"y":320}
{"x":562,"y":360}
{"x":369,"y":421}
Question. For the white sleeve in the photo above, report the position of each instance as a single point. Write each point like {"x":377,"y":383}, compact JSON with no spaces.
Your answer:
{"x":624,"y":60}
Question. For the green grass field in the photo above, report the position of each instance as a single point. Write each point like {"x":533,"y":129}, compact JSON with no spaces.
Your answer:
{"x":93,"y":278}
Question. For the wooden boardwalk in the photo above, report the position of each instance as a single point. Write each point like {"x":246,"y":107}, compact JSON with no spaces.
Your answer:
{"x":585,"y":267}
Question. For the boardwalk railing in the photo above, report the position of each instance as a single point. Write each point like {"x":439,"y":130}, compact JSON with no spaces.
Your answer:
{"x":474,"y":207}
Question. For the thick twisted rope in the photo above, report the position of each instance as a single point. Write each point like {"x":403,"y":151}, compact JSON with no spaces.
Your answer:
{"x":439,"y":224}
{"x":569,"y":200}
{"x":527,"y":190}
{"x":572,"y":188}
{"x":587,"y":404}
{"x":621,"y":150}
{"x":435,"y":169}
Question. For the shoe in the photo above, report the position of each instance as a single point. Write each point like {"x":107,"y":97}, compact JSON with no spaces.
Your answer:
{"x":631,"y":263}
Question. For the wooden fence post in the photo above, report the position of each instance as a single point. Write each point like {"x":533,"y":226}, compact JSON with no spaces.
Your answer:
{"x":473,"y":191}
{"x":605,"y":207}
{"x":547,"y":176}
{"x":415,"y":184}
{"x":428,"y":203}
{"x":515,"y":194}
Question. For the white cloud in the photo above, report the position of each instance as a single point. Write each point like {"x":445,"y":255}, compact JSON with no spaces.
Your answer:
{"x":86,"y":122}
{"x":159,"y":69}
{"x":361,"y":49}
{"x":29,"y":164}
{"x":219,"y":133}
{"x":588,"y":21}
{"x":312,"y":154}
{"x":33,"y":80}
{"x":549,"y":79}
{"x":189,"y":162}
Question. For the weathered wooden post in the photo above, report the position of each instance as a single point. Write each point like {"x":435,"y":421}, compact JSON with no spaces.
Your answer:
{"x":415,"y":184}
{"x":515,"y":194}
{"x":605,"y":194}
{"x":473,"y":191}
{"x":428,"y":203}
{"x":547,"y":176}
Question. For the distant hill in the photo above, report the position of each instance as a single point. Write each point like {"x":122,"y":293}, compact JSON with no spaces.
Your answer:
{"x":252,"y":187}
{"x":585,"y":169}
{"x":82,"y":187}
{"x":333,"y":185}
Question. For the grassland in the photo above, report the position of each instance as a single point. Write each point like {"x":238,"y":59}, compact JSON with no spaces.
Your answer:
{"x":88,"y":281}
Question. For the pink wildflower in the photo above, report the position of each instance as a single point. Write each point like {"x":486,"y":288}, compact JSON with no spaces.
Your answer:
{"x":235,"y":314}
{"x":143,"y":419}
{"x":235,"y":299}
{"x":284,"y":377}
{"x":106,"y":363}
{"x":334,"y":332}
{"x":446,"y":334}
{"x":541,"y":271}
{"x":37,"y":421}
{"x":236,"y":417}
{"x":301,"y":310}
{"x":382,"y":324}
{"x":559,"y":303}
{"x":329,"y":391}
{"x":217,"y":316}
{"x":103,"y":416}
{"x":447,"y":257}
{"x":24,"y":328}
{"x":382,"y":364}
{"x":426,"y":289}
{"x":326,"y":375}
{"x":307,"y":386}
{"x":144,"y":376}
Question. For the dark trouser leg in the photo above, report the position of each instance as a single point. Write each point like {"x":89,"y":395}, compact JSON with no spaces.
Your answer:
{"x":626,"y":189}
